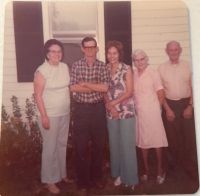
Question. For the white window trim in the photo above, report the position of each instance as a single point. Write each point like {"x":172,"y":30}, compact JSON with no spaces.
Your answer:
{"x":75,"y":36}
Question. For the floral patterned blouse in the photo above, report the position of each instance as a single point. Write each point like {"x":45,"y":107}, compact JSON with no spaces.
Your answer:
{"x":116,"y":88}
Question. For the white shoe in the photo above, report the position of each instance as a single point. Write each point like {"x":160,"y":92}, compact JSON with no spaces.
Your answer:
{"x":161,"y":179}
{"x":117,"y":181}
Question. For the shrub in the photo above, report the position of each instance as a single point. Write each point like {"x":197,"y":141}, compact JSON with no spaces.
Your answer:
{"x":20,"y":145}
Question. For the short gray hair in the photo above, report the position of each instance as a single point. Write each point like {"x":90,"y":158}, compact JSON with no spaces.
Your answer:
{"x":139,"y":51}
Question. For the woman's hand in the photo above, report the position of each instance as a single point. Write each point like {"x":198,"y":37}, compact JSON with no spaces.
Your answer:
{"x":110,"y":105}
{"x":45,"y":122}
{"x":114,"y":113}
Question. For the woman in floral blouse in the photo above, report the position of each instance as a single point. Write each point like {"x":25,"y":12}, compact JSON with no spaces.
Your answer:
{"x":121,"y":117}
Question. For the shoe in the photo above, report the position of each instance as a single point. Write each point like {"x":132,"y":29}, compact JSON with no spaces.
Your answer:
{"x":132,"y":187}
{"x":82,"y":192}
{"x":117,"y":181}
{"x":161,"y":179}
{"x":52,"y":188}
{"x":68,"y":180}
{"x":144,"y":178}
{"x":99,"y":184}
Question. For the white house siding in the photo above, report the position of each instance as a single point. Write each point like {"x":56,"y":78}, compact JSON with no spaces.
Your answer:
{"x":10,"y":85}
{"x":155,"y":22}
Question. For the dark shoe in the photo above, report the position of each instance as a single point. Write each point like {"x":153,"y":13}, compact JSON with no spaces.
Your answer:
{"x":144,"y":178}
{"x":52,"y":188}
{"x":82,"y":192}
{"x":68,"y":180}
{"x":99,"y":184}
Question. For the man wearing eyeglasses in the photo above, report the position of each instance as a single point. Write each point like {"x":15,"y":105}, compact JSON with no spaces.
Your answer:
{"x":89,"y":82}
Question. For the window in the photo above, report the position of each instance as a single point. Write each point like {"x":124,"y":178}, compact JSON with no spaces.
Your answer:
{"x":70,"y":22}
{"x":28,"y":38}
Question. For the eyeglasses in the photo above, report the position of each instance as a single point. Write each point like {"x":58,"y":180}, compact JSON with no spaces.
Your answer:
{"x":89,"y":47}
{"x":139,"y":60}
{"x":55,"y":51}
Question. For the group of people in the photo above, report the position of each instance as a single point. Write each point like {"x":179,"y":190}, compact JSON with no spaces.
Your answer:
{"x":138,"y":106}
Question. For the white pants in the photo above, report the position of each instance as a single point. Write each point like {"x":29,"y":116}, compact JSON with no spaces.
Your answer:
{"x":54,"y":149}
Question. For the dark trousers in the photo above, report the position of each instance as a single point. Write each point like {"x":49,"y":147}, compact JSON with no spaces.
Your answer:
{"x":181,"y":137}
{"x":89,"y":138}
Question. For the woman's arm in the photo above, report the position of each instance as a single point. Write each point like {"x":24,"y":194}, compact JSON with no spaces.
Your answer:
{"x":161,"y":96}
{"x":39,"y":84}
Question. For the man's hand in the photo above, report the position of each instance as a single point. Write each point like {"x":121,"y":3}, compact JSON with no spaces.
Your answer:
{"x":187,"y":113}
{"x":170,"y":115}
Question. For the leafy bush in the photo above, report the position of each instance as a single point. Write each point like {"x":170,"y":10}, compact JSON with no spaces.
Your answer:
{"x":21,"y":141}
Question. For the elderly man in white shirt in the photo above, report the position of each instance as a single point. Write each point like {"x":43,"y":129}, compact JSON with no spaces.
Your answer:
{"x":178,"y":109}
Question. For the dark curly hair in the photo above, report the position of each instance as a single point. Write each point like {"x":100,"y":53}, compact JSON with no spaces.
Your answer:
{"x":49,"y":43}
{"x":118,"y":45}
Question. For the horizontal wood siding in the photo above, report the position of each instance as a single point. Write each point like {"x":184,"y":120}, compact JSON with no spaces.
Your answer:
{"x":154,"y":23}
{"x":10,"y":85}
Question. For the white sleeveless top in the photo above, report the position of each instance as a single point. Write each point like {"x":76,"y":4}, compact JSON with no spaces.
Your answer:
{"x":56,"y":93}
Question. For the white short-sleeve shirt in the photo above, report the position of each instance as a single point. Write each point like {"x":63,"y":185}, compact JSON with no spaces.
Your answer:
{"x":56,"y":94}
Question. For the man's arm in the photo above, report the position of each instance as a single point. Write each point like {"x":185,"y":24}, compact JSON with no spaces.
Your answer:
{"x":169,"y":112}
{"x":188,"y":112}
{"x":79,"y":88}
{"x":98,"y":87}
{"x":74,"y":81}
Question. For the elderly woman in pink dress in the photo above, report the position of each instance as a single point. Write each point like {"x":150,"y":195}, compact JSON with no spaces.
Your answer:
{"x":149,"y":96}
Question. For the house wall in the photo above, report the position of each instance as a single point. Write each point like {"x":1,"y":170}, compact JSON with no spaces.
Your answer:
{"x":153,"y":24}
{"x":10,"y":85}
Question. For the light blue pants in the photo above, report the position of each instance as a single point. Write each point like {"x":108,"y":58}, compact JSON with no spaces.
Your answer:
{"x":54,"y":149}
{"x":122,"y":150}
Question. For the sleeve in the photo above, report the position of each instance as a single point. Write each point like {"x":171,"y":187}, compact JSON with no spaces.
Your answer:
{"x":105,"y":76}
{"x":43,"y":70}
{"x":73,"y":75}
{"x":157,"y":81}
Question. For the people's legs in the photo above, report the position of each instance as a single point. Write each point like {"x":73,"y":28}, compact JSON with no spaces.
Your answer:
{"x":62,"y":143}
{"x":50,"y":172}
{"x":145,"y":160}
{"x":174,"y":136}
{"x":127,"y":152}
{"x":98,"y":134}
{"x":159,"y":161}
{"x":189,"y":156}
{"x":113,"y":131}
{"x":81,"y":139}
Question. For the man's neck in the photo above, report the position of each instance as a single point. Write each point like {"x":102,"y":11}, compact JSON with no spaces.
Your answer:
{"x":90,"y":60}
{"x":174,"y":61}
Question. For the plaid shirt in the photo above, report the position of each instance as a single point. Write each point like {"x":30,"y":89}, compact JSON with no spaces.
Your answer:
{"x":81,"y":72}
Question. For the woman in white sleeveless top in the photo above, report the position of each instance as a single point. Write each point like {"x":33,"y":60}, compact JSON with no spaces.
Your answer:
{"x":53,"y":101}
